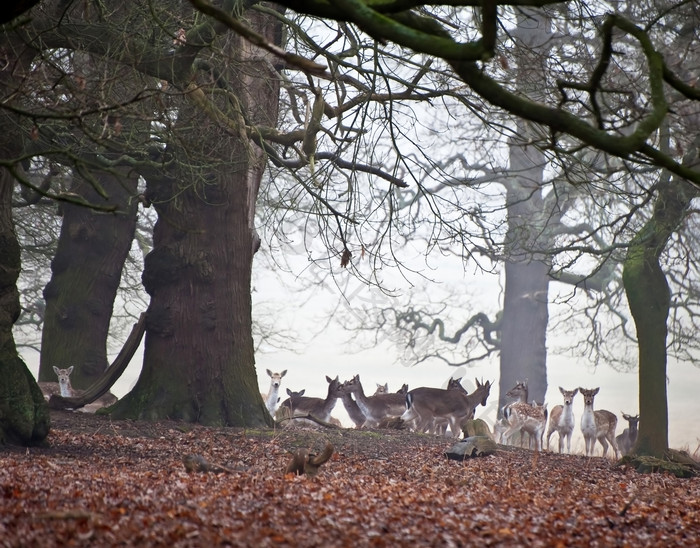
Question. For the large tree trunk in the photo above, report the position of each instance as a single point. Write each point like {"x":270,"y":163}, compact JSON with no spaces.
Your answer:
{"x":24,"y":415}
{"x":85,"y":278}
{"x":199,"y":360}
{"x":649,"y":300}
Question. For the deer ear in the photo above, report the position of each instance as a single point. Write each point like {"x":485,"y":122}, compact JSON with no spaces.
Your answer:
{"x":289,"y":392}
{"x":283,"y":373}
{"x":70,"y":369}
{"x":269,"y":373}
{"x":55,"y":369}
{"x":596,"y":391}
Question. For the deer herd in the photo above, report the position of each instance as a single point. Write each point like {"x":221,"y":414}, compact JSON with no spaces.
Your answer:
{"x":434,"y":410}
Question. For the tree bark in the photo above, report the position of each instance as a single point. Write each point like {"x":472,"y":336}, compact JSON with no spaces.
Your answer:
{"x":24,"y":415}
{"x":86,"y":271}
{"x":199,"y":361}
{"x":649,"y":300}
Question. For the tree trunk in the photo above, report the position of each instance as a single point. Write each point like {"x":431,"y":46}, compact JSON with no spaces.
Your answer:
{"x":24,"y":415}
{"x":86,"y":271}
{"x":649,"y":300}
{"x":199,"y":361}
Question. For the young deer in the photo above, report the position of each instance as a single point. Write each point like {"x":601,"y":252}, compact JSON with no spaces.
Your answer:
{"x":376,"y":409}
{"x":431,"y":406}
{"x":628,"y":438}
{"x":523,"y":417}
{"x":597,"y":425}
{"x":562,"y":420}
{"x":66,"y":390}
{"x":272,"y":397}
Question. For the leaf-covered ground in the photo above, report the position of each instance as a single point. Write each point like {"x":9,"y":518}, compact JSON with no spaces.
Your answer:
{"x":106,"y":483}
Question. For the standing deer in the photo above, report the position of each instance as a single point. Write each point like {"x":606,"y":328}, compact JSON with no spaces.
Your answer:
{"x":523,"y":417}
{"x":597,"y":425}
{"x":377,"y":409}
{"x":434,"y":405}
{"x":628,"y":438}
{"x":272,"y":397}
{"x":432,"y":424}
{"x":562,"y":420}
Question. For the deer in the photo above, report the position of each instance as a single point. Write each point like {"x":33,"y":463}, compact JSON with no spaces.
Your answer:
{"x":354,"y":412}
{"x":437,"y":425}
{"x":377,"y":409}
{"x":454,"y":406}
{"x":520,"y":393}
{"x":562,"y":420}
{"x":272,"y":397}
{"x":299,"y":407}
{"x":523,"y":417}
{"x":66,"y":390}
{"x":381,"y":389}
{"x":628,"y":438}
{"x":597,"y":425}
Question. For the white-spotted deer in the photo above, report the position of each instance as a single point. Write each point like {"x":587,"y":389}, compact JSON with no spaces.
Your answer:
{"x":431,"y":406}
{"x":597,"y":425}
{"x":272,"y":397}
{"x":562,"y":420}
{"x":299,"y":407}
{"x":66,"y":390}
{"x":523,"y":417}
{"x":628,"y":438}
{"x":378,"y":409}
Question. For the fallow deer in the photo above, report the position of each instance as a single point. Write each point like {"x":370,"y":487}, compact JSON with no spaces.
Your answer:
{"x":454,"y":406}
{"x":66,"y":390}
{"x":381,"y":389}
{"x":376,"y":409}
{"x":301,"y":407}
{"x":272,"y":397}
{"x":431,"y":424}
{"x":597,"y":425}
{"x":628,"y":438}
{"x":528,"y":419}
{"x":354,"y":412}
{"x":562,"y":420}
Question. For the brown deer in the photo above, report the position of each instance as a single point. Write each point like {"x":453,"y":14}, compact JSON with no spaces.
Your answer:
{"x":628,"y":438}
{"x":432,"y":424}
{"x":300,"y":408}
{"x":562,"y":420}
{"x":433,"y":405}
{"x":272,"y":397}
{"x":377,"y":409}
{"x":382,"y":389}
{"x":597,"y":425}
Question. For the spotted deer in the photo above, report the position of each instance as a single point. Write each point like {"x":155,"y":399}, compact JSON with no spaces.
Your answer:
{"x":562,"y":420}
{"x":272,"y":397}
{"x":597,"y":425}
{"x":523,"y":417}
{"x":628,"y":438}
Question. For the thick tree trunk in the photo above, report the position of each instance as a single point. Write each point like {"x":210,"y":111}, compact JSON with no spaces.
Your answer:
{"x":86,"y":271}
{"x":24,"y":415}
{"x":199,"y":361}
{"x":649,"y":300}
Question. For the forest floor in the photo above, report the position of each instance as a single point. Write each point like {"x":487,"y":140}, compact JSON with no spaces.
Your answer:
{"x":106,"y":483}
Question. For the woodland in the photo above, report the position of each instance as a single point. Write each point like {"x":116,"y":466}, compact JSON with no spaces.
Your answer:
{"x":100,"y":482}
